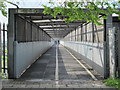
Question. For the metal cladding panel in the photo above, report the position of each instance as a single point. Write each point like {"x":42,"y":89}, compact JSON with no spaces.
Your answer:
{"x":27,"y":53}
{"x":91,"y":53}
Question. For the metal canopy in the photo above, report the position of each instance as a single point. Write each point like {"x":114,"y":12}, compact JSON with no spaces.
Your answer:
{"x":56,"y":28}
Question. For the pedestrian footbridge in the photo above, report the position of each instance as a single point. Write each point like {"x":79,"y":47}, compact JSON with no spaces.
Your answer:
{"x":58,"y":64}
{"x":43,"y":48}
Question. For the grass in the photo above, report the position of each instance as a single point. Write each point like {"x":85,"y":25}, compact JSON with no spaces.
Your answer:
{"x":3,"y":76}
{"x":5,"y":57}
{"x":5,"y":62}
{"x":114,"y":82}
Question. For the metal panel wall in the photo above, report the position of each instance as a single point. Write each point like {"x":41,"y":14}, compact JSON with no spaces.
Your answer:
{"x":91,"y":53}
{"x":86,"y":47}
{"x":26,"y":31}
{"x":27,"y":53}
{"x":24,"y":43}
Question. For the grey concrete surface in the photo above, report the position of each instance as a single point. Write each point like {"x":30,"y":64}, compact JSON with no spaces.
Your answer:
{"x":27,"y":53}
{"x":91,"y":53}
{"x":41,"y":75}
{"x":44,"y":67}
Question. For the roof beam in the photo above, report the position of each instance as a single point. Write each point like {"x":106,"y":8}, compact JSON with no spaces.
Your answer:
{"x":57,"y":23}
{"x":58,"y":27}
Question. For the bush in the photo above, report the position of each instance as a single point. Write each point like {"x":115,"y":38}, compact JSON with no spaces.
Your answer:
{"x":112,"y":82}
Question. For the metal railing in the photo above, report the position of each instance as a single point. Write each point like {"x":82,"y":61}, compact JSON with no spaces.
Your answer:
{"x":3,"y":48}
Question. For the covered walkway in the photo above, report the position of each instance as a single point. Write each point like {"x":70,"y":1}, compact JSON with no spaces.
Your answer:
{"x":34,"y":56}
{"x":57,"y":69}
{"x":48,"y":68}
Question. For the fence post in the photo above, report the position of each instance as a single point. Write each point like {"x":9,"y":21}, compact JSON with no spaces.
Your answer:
{"x":0,"y":51}
{"x":106,"y":49}
{"x":4,"y":48}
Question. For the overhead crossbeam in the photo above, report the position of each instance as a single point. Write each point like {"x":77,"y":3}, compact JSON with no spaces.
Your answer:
{"x":55,"y":27}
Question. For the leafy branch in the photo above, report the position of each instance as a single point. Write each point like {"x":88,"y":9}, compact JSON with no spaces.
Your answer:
{"x":86,"y":11}
{"x":3,"y":6}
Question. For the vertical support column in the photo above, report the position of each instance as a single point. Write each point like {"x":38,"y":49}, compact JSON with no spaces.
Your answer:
{"x":31,"y":29}
{"x":38,"y":34}
{"x":71,"y":35}
{"x":118,"y":51}
{"x":10,"y":45}
{"x":106,"y":51}
{"x":78,"y":34}
{"x":4,"y":69}
{"x":81,"y":32}
{"x":41,"y":35}
{"x":75,"y":34}
{"x":93,"y":33}
{"x":108,"y":55}
{"x":112,"y":50}
{"x":0,"y":51}
{"x":86,"y":32}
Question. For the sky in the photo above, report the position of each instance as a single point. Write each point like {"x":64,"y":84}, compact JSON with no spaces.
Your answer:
{"x":23,"y":4}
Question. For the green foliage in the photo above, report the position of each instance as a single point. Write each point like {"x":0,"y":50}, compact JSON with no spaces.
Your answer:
{"x":5,"y":57}
{"x":3,"y":76}
{"x":90,"y":11}
{"x":113,"y":82}
{"x":3,"y":8}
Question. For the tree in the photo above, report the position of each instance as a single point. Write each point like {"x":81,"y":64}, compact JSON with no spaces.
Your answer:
{"x":3,"y":7}
{"x":73,"y":10}
{"x":87,"y":11}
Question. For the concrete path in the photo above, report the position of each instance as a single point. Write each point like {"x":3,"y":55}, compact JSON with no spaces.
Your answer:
{"x":56,"y":64}
{"x":56,"y":69}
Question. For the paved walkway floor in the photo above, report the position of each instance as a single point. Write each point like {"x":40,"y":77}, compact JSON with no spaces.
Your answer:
{"x":56,"y":69}
{"x":45,"y":67}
